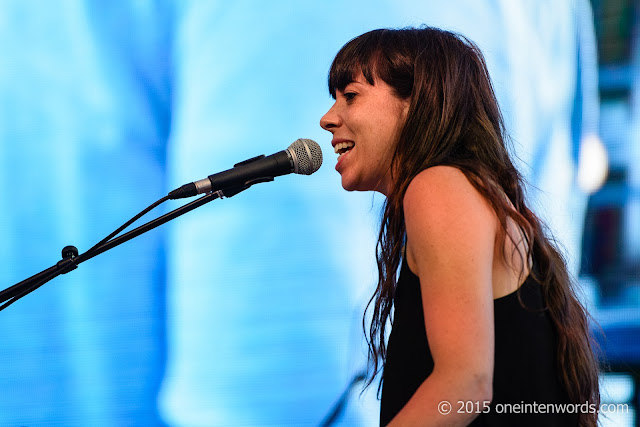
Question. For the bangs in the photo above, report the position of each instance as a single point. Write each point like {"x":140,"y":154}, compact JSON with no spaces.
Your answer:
{"x":360,"y":55}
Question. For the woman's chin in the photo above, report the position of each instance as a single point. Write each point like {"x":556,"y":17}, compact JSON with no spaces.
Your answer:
{"x":347,"y":187}
{"x":354,"y":185}
{"x":348,"y":184}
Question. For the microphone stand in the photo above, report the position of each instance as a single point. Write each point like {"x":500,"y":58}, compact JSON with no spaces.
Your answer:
{"x":71,"y":259}
{"x":338,"y":408}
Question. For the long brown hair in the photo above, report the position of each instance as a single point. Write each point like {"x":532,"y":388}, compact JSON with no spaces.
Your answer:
{"x":454,"y":119}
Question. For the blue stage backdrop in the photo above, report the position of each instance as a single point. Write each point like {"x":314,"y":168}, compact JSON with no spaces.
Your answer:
{"x":247,"y":311}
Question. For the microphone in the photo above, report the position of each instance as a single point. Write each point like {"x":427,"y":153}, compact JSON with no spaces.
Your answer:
{"x":304,"y":157}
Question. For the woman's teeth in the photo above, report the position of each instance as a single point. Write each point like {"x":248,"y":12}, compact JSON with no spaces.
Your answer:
{"x":342,"y":147}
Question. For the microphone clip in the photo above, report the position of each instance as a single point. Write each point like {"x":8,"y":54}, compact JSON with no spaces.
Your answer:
{"x":251,"y":160}
{"x":230,"y":192}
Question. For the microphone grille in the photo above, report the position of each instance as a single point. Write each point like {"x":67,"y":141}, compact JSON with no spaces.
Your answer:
{"x":306,"y":155}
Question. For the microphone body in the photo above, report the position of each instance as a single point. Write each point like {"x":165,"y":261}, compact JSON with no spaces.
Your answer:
{"x":303,"y":157}
{"x":277,"y":164}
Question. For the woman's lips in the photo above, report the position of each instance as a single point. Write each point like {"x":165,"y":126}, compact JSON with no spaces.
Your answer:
{"x":342,"y":157}
{"x":342,"y":147}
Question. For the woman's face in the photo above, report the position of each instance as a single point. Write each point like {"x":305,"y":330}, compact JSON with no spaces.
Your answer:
{"x":365,"y":122}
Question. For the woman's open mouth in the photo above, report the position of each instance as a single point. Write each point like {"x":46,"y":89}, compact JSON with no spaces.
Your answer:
{"x":342,"y":147}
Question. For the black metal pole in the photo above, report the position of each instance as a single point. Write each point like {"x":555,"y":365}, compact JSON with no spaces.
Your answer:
{"x":70,"y":262}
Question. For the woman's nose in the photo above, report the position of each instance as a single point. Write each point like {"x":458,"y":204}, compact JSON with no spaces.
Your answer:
{"x":330,"y":120}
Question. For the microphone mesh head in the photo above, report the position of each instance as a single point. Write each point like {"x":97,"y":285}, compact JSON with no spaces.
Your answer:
{"x":306,"y":155}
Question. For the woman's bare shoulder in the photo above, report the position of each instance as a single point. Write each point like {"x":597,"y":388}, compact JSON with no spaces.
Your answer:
{"x":445,"y":190}
{"x":444,"y":212}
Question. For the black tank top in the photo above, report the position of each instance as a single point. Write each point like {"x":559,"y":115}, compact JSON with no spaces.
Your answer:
{"x":525,"y":369}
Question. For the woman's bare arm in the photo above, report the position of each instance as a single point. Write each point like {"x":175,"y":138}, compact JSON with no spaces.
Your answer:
{"x":451,"y":231}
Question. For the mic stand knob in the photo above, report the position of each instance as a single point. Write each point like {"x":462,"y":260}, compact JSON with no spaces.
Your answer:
{"x":66,"y":264}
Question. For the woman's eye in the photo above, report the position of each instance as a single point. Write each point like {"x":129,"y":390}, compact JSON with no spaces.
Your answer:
{"x":349,"y":96}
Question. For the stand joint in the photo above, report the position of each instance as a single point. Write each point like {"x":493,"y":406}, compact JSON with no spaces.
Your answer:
{"x":67,"y":264}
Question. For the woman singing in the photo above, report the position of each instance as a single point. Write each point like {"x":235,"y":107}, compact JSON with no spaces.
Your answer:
{"x":484,"y":314}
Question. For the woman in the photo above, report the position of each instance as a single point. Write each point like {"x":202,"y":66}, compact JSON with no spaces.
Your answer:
{"x":484,"y":312}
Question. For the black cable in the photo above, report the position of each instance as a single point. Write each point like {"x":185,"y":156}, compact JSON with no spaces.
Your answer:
{"x":128,"y":223}
{"x":71,"y":259}
{"x":21,"y":289}
{"x":97,"y":250}
{"x":17,"y":288}
{"x":26,"y":290}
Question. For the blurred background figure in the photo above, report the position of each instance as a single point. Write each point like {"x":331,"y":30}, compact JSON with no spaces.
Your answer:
{"x":247,"y":311}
